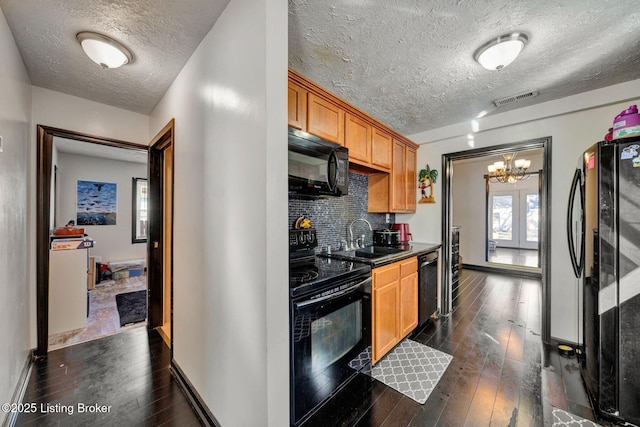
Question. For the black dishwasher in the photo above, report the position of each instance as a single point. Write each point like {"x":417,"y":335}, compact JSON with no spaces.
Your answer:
{"x":428,"y":286}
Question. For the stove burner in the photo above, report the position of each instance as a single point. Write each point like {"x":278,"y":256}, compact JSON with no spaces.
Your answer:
{"x":303,"y":276}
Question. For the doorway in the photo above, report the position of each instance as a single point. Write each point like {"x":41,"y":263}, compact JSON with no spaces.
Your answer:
{"x":513,"y":218}
{"x":44,"y":193}
{"x":544,"y":242}
{"x":160,"y":248}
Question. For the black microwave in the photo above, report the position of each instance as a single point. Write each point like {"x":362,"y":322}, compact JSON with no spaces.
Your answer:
{"x":317,"y":168}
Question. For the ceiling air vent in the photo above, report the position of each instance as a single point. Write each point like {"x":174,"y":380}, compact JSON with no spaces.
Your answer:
{"x":510,"y":99}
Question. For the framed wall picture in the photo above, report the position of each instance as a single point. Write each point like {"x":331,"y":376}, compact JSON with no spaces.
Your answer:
{"x":96,"y":203}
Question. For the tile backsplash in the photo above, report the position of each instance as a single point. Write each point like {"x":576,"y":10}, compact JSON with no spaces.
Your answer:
{"x":331,"y":216}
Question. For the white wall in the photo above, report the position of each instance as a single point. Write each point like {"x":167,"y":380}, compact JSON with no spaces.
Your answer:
{"x":469,"y":202}
{"x":15,"y":115}
{"x":574,"y":123}
{"x":230,"y":219}
{"x":68,"y":112}
{"x":112,"y":242}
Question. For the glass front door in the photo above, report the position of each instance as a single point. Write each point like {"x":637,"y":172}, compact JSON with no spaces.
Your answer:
{"x":513,"y":219}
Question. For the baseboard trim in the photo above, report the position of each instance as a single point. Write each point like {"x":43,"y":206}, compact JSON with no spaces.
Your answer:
{"x":21,"y":388}
{"x":529,"y":274}
{"x":201,"y":409}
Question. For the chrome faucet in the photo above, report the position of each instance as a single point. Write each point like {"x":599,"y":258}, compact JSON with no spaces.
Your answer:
{"x":351,"y":232}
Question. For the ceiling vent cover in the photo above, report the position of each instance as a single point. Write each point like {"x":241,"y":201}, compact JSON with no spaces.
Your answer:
{"x":510,"y":99}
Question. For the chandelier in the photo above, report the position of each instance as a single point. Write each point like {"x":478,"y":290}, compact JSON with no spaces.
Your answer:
{"x":509,"y":170}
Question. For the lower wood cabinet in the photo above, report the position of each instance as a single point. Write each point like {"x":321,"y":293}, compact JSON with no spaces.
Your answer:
{"x":395,"y":305}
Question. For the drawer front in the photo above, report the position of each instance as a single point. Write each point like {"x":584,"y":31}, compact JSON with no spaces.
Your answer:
{"x":408,"y":266}
{"x":386,"y":275}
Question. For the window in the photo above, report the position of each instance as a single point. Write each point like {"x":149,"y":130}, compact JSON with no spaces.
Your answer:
{"x":139,"y":211}
{"x":502,"y":224}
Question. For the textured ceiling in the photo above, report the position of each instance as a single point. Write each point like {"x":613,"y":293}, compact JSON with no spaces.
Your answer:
{"x":161,"y":34}
{"x":409,"y":63}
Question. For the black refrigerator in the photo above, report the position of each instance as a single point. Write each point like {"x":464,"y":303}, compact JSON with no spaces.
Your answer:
{"x":603,"y":230}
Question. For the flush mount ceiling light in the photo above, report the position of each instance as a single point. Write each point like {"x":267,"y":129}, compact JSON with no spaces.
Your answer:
{"x":502,"y":51}
{"x":103,"y":50}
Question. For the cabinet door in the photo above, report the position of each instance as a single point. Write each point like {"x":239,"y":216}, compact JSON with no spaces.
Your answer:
{"x":386,"y":310}
{"x":411,"y":177}
{"x":325,"y":119}
{"x":297,"y":107}
{"x":386,"y":307}
{"x":357,"y":138}
{"x":398,"y":178}
{"x":408,"y":304}
{"x":381,"y":143}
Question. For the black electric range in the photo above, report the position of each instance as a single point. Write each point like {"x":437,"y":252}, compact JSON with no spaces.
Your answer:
{"x":330,"y":325}
{"x":310,"y":274}
{"x":314,"y":274}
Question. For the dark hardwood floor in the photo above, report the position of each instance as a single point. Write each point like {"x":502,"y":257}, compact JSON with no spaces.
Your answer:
{"x":500,"y":374}
{"x":128,"y":372}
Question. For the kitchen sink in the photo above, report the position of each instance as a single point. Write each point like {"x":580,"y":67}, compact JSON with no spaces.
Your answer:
{"x":377,"y":251}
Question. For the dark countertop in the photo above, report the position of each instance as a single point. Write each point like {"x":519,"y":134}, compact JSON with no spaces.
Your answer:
{"x":412,"y":249}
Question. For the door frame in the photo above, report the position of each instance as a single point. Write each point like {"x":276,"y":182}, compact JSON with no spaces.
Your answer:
{"x":155,"y":257}
{"x":44,"y":165}
{"x":543,"y":143}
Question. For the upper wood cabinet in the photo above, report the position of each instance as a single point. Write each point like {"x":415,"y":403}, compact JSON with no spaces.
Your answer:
{"x":357,"y":134}
{"x":376,"y":150}
{"x":411,"y":182}
{"x":325,"y":119}
{"x":394,"y":305}
{"x":297,"y":107}
{"x":397,"y":187}
{"x":381,"y":143}
{"x":403,"y":178}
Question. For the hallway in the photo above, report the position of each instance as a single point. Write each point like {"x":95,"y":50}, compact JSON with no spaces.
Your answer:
{"x":126,"y":374}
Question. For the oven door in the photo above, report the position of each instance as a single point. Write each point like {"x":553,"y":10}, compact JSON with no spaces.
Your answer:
{"x":328,"y":331}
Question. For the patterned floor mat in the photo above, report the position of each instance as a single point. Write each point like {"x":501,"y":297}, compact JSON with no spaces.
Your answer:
{"x":562,"y":418}
{"x":411,"y":368}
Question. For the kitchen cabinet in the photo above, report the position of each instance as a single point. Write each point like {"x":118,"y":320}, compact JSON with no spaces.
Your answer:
{"x":315,"y":110}
{"x":408,"y":296}
{"x":325,"y":119}
{"x":357,"y":134}
{"x":403,"y":179}
{"x":297,"y":107}
{"x":381,"y":143}
{"x":396,"y":191}
{"x":385,"y":313}
{"x":395,"y":305}
{"x":368,"y":146}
